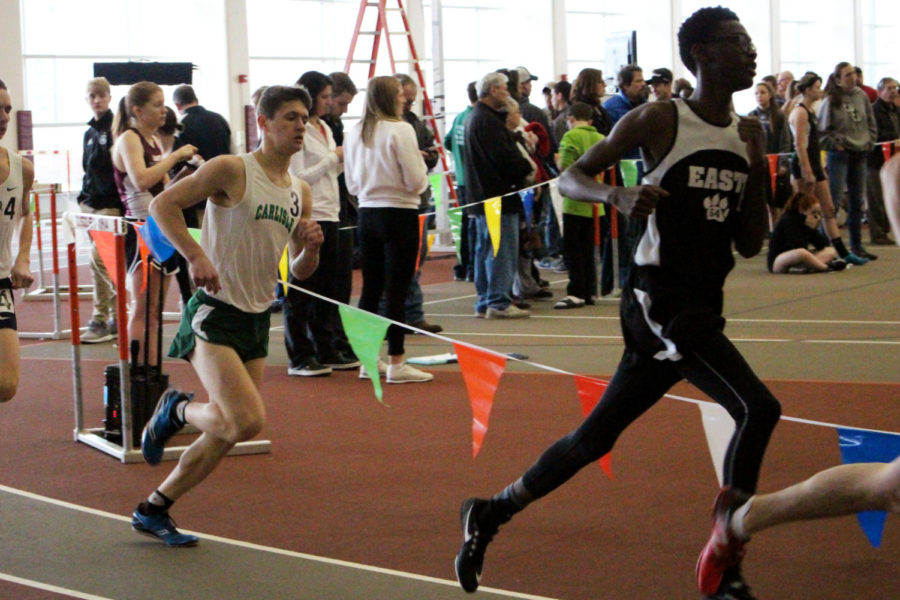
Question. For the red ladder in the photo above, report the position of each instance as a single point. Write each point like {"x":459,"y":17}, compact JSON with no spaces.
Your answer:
{"x":382,"y":26}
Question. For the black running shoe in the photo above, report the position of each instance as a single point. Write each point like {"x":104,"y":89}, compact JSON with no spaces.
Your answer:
{"x":733,"y":587}
{"x":476,"y":537}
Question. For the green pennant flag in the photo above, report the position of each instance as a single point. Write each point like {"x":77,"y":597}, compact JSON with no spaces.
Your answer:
{"x":195,"y":233}
{"x":436,"y":190}
{"x":456,"y":216}
{"x":365,"y":332}
{"x":629,"y":172}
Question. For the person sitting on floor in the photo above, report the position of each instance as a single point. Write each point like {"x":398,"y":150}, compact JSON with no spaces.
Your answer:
{"x":795,"y":232}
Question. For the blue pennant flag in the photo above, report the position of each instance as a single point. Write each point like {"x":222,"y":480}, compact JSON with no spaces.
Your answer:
{"x":865,"y":447}
{"x":161,"y":248}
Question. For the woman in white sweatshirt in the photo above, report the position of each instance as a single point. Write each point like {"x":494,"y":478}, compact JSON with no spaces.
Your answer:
{"x":384,"y":169}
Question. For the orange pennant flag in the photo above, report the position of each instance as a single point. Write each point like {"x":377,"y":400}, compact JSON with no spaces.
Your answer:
{"x":421,"y":237}
{"x":589,"y":392}
{"x":481,"y":371}
{"x":106,"y":248}
{"x":773,"y":167}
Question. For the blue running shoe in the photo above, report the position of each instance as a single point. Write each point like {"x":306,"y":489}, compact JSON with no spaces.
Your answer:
{"x":162,"y":426}
{"x":855,"y":260}
{"x":162,"y":527}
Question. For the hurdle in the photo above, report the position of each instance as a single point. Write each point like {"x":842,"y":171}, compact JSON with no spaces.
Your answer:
{"x":55,"y":290}
{"x":125,"y":452}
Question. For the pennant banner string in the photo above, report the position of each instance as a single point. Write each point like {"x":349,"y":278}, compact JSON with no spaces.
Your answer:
{"x":76,"y":224}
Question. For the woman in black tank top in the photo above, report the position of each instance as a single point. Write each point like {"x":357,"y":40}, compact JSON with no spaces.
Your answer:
{"x":807,"y":175}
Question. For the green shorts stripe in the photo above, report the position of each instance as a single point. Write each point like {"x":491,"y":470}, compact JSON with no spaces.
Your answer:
{"x":220,"y":323}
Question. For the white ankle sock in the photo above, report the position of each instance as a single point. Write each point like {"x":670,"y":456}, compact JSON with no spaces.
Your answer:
{"x":737,"y":519}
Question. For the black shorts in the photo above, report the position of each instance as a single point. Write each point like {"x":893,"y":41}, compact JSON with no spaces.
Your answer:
{"x":7,"y":305}
{"x":132,"y":252}
{"x":814,"y":161}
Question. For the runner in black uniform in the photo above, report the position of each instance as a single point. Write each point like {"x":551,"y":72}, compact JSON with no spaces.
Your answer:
{"x":703,"y":192}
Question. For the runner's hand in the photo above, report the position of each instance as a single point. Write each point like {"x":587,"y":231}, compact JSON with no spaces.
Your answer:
{"x":204,"y":274}
{"x":637,"y":201}
{"x":21,"y":276}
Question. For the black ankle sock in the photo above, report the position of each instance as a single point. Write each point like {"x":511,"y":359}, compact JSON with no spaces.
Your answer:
{"x":511,"y":500}
{"x":151,"y":508}
{"x":838,"y":244}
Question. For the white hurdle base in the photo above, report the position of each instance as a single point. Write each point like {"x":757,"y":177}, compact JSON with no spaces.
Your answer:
{"x":94,"y":438}
{"x":48,"y":293}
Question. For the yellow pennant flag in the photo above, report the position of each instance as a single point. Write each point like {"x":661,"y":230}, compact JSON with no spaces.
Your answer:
{"x":283,"y":269}
{"x":492,"y":216}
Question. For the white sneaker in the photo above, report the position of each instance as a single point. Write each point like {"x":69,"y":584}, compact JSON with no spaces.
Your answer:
{"x":382,"y":370}
{"x":510,"y":312}
{"x":406,"y":373}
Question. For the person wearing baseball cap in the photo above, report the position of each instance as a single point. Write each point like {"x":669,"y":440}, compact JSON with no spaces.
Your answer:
{"x":661,"y":84}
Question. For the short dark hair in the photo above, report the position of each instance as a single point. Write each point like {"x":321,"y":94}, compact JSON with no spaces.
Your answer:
{"x":276,"y":95}
{"x":626,"y":74}
{"x":184,"y":94}
{"x":581,"y":111}
{"x":883,"y":83}
{"x":564,"y":88}
{"x":472,"y":91}
{"x":341,"y":83}
{"x":807,"y":81}
{"x":315,"y":82}
{"x":2,"y":85}
{"x":699,"y":29}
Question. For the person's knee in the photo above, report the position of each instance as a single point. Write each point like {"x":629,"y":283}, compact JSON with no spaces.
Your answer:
{"x":886,"y":487}
{"x":8,"y":388}
{"x":767,"y":410}
{"x":245,"y":427}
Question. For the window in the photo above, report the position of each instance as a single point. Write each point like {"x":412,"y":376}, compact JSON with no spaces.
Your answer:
{"x":63,"y":39}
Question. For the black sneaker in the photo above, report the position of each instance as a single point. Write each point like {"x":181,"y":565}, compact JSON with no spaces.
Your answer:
{"x":310,"y":368}
{"x":837,"y":264}
{"x":863,"y":254}
{"x":733,"y":587}
{"x":476,"y":537}
{"x":341,"y":362}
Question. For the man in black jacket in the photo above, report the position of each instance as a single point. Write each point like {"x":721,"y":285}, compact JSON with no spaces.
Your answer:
{"x":887,"y":119}
{"x":494,"y":167}
{"x":206,"y":130}
{"x":100,"y":196}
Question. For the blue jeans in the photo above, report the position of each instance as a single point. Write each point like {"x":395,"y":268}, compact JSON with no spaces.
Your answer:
{"x":494,"y":275}
{"x":848,"y":169}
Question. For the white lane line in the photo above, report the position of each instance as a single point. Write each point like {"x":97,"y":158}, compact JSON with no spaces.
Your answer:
{"x":568,"y":316}
{"x":51,"y":588}
{"x":258,"y":547}
{"x":587,"y":337}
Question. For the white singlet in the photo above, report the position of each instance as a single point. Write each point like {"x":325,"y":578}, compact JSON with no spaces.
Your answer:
{"x":245,"y":241}
{"x":12,"y":206}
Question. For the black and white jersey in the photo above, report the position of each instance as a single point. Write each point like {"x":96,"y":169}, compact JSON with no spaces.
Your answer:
{"x":12,"y":207}
{"x":683,"y":257}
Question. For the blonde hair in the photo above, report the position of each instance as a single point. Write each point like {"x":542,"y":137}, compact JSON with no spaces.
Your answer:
{"x":381,"y":104}
{"x":98,"y":84}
